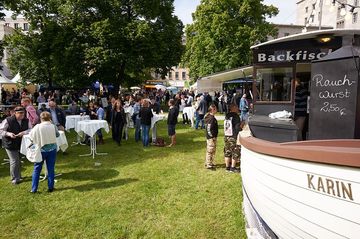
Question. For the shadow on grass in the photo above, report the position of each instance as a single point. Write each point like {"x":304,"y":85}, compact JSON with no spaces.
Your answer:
{"x":91,"y":174}
{"x":100,"y":185}
{"x":189,"y":140}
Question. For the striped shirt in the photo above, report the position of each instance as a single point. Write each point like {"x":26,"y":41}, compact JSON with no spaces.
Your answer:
{"x":301,"y":95}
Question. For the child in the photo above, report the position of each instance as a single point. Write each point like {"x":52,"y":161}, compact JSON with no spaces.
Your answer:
{"x":211,"y":126}
{"x":232,"y":127}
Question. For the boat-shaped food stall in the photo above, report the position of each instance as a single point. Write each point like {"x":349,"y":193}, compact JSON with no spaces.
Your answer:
{"x":304,"y":183}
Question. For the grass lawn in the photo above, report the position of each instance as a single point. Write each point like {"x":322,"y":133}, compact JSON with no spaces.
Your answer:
{"x":136,"y":193}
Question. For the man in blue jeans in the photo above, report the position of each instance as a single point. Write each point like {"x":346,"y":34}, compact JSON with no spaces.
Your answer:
{"x":201,"y":111}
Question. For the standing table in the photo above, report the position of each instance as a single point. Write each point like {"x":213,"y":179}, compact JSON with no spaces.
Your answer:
{"x":71,"y":123}
{"x":154,"y":120}
{"x":190,"y":111}
{"x":90,"y":127}
{"x":61,"y":143}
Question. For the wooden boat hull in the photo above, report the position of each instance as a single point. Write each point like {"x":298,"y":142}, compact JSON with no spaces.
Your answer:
{"x":300,"y":198}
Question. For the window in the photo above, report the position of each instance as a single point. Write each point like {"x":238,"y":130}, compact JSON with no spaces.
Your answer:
{"x":7,"y":24}
{"x":355,"y":2}
{"x":176,"y":75}
{"x":274,"y":84}
{"x":26,"y":27}
{"x":340,"y":24}
{"x":170,"y":75}
{"x":183,"y":75}
{"x":338,"y":12}
{"x":314,"y":6}
{"x":312,"y":18}
{"x":306,"y":10}
{"x":305,"y":21}
{"x":354,"y":17}
{"x":16,"y":25}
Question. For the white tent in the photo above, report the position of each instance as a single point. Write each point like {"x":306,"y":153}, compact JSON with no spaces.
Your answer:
{"x":214,"y":82}
{"x":135,"y":88}
{"x":3,"y":80}
{"x":16,"y":78}
{"x":160,"y":87}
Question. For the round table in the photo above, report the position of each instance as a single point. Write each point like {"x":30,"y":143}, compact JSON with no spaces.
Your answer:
{"x":90,"y":127}
{"x":190,"y":111}
{"x":61,"y":142}
{"x":71,"y":123}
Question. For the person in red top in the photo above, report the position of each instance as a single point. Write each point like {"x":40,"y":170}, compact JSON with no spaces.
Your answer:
{"x":31,"y":113}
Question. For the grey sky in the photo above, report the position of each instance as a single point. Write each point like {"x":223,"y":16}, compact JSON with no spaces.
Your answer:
{"x":287,"y":10}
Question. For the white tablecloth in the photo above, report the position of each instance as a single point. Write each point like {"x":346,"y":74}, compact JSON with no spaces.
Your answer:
{"x":72,"y":120}
{"x":61,"y":142}
{"x":129,"y":110}
{"x":190,"y":111}
{"x":156,"y":118}
{"x":90,"y":127}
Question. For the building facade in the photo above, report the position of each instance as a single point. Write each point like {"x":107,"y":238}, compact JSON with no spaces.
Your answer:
{"x":17,"y":23}
{"x":285,"y":30}
{"x":328,"y":13}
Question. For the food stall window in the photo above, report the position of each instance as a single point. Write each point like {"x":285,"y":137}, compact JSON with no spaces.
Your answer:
{"x":274,"y":84}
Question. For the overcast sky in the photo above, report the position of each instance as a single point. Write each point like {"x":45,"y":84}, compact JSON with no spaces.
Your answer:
{"x":287,"y":10}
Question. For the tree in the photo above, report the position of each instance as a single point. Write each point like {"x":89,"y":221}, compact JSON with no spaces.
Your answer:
{"x":51,"y":52}
{"x":114,"y":41}
{"x":222,"y":33}
{"x":127,"y":39}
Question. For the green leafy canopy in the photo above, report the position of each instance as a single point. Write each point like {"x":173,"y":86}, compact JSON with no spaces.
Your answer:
{"x":73,"y":42}
{"x":222,"y":33}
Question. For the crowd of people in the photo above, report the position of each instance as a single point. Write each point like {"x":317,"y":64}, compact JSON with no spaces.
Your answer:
{"x":40,"y":115}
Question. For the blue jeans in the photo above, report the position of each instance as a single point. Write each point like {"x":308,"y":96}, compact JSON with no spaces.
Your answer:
{"x":244,"y":116}
{"x":199,"y":118}
{"x":50,"y":158}
{"x":145,"y":134}
{"x":137,"y":130}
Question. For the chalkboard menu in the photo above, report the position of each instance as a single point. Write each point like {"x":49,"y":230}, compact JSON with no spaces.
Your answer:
{"x":334,"y":99}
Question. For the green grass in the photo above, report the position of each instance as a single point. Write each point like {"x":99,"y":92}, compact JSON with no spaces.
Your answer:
{"x":135,"y":193}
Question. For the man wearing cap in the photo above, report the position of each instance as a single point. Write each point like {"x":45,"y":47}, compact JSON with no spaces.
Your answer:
{"x":12,"y":129}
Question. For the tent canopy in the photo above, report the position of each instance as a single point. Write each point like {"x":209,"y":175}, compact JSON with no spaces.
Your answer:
{"x":215,"y":81}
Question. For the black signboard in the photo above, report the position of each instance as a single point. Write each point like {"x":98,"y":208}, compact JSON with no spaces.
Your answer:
{"x":334,"y":99}
{"x":305,"y":50}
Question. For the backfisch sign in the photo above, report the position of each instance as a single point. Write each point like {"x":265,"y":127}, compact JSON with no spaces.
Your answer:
{"x":289,"y":55}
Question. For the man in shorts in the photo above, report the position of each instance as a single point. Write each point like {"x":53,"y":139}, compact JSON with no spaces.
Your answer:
{"x":232,"y":127}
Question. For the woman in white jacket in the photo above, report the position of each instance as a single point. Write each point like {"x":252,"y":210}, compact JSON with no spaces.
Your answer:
{"x":44,"y":135}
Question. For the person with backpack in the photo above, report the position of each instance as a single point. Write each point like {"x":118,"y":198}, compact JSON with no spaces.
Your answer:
{"x":232,"y":127}
{"x":212,"y":129}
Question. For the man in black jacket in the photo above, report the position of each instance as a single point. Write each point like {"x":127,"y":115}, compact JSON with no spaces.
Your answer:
{"x":57,"y":115}
{"x":212,"y":129}
{"x":12,"y":129}
{"x":172,"y":121}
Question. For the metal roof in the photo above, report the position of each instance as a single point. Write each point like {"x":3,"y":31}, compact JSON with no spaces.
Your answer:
{"x":307,"y":35}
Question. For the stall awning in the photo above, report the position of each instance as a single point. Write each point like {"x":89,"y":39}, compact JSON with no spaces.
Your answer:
{"x":214,"y":82}
{"x":237,"y":81}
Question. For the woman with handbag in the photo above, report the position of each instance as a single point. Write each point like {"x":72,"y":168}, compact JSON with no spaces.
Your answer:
{"x":44,"y":135}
